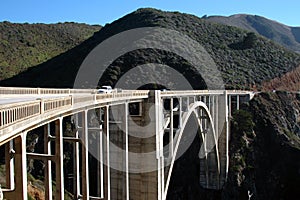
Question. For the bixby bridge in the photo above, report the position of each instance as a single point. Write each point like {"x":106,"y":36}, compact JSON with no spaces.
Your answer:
{"x":123,"y":144}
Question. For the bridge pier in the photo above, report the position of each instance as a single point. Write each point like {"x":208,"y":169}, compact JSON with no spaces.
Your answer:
{"x":48,"y":167}
{"x":60,"y":191}
{"x":9,"y":167}
{"x":20,"y":170}
{"x":85,"y":155}
{"x":143,"y":161}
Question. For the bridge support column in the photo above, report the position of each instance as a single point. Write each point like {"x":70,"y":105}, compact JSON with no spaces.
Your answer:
{"x":237,"y":102}
{"x":126,"y":149}
{"x":59,"y":194}
{"x":20,"y":191}
{"x":107,"y":168}
{"x":85,"y":158}
{"x":229,"y":104}
{"x":159,"y":144}
{"x":99,"y":156}
{"x":21,"y":167}
{"x":48,"y":168}
{"x":76,"y":162}
{"x":9,"y":165}
{"x":227,"y":115}
{"x":171,"y":133}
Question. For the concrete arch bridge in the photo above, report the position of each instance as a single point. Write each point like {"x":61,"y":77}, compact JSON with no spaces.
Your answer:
{"x":119,"y":145}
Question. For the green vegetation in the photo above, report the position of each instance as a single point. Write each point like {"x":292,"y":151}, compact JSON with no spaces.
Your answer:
{"x":241,"y":68}
{"x":270,"y":153}
{"x":36,"y":189}
{"x":242,"y":122}
{"x":26,"y":45}
{"x":280,"y":33}
{"x":242,"y":136}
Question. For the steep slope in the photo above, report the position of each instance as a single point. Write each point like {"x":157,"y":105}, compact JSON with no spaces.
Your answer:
{"x":244,"y":59}
{"x":264,"y":157}
{"x":284,"y":35}
{"x":287,"y":82}
{"x":27,"y":45}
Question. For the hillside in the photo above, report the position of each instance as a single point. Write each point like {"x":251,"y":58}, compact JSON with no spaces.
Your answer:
{"x":284,"y":35}
{"x":244,"y":59}
{"x":265,"y":149}
{"x":26,"y":45}
{"x":287,"y":82}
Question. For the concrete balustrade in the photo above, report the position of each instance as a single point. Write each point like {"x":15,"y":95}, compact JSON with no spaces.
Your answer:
{"x":17,"y":90}
{"x":42,"y":91}
{"x":52,"y":104}
{"x":12,"y":113}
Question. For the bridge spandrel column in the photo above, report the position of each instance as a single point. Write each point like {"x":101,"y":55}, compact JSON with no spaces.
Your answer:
{"x":106,"y":147}
{"x":20,"y":191}
{"x":223,"y":136}
{"x":48,"y":168}
{"x":84,"y":155}
{"x":59,"y":178}
{"x":9,"y":165}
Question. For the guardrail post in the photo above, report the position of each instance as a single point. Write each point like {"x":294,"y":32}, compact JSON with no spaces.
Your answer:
{"x":42,"y":106}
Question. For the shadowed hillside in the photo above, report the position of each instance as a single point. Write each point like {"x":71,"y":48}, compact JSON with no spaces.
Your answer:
{"x":244,"y":59}
{"x":26,"y":45}
{"x":265,"y":149}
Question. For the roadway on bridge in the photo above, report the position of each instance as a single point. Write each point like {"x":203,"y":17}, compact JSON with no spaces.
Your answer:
{"x":21,"y":98}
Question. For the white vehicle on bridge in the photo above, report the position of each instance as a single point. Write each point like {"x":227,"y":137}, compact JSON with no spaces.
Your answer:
{"x":105,"y":89}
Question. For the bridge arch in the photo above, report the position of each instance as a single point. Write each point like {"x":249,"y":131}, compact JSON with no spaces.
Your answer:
{"x":208,"y":150}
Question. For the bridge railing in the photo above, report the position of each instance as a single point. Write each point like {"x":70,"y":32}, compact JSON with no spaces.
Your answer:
{"x":41,"y":91}
{"x":17,"y":90}
{"x":191,"y":92}
{"x":15,"y":112}
{"x":58,"y":103}
{"x":204,"y":92}
{"x":123,"y":94}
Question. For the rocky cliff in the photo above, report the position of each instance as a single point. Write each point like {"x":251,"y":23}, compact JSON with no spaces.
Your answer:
{"x":265,"y":149}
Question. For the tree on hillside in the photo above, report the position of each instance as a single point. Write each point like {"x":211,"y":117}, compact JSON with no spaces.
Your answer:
{"x":250,"y":40}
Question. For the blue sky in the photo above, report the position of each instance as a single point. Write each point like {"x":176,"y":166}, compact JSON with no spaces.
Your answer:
{"x":106,"y":11}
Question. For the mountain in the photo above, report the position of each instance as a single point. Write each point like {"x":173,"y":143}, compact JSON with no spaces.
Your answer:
{"x":243,"y":58}
{"x":26,"y":45}
{"x":283,"y":34}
